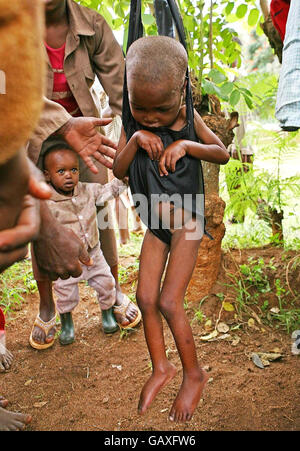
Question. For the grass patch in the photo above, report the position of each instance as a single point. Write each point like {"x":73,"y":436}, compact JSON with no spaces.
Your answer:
{"x":15,"y":282}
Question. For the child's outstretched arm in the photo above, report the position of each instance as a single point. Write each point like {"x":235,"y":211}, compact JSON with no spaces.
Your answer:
{"x":109,"y":191}
{"x":126,"y":152}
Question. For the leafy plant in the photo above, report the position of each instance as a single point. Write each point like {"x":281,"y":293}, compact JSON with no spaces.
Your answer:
{"x":264,"y":192}
{"x":255,"y":274}
{"x":16,"y":282}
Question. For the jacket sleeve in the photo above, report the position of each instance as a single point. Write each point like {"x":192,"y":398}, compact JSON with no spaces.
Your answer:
{"x":109,"y":64}
{"x":52,"y":118}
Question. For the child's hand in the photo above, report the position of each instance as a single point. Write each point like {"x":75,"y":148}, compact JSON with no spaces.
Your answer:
{"x":151,"y":143}
{"x":171,"y":155}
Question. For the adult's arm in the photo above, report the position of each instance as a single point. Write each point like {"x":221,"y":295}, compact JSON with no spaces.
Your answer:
{"x":109,"y":64}
{"x":21,"y":73}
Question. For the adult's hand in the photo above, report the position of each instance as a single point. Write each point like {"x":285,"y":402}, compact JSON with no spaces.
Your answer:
{"x":37,"y":186}
{"x":82,"y":134}
{"x":13,"y":241}
{"x":19,"y":211}
{"x":57,"y":249}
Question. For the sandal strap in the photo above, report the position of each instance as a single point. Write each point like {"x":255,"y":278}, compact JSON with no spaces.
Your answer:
{"x":45,"y":326}
{"x":122,"y":308}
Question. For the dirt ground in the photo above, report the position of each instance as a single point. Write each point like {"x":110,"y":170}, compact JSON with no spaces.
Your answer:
{"x":94,"y":384}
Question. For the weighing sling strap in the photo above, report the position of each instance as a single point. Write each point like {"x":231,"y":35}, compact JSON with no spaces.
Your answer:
{"x":183,"y":188}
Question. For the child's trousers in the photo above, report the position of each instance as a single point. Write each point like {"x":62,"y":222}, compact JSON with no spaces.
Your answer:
{"x":98,"y":277}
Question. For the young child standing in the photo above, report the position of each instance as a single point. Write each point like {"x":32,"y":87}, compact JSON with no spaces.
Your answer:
{"x":160,"y":147}
{"x":73,"y":204}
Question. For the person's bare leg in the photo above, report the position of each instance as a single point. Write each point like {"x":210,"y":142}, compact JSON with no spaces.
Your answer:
{"x":122,"y":220}
{"x":47,"y":311}
{"x":137,"y":223}
{"x":183,"y":255}
{"x":6,"y":357}
{"x":11,"y":421}
{"x":3,"y":402}
{"x":152,"y":263}
{"x":131,"y":312}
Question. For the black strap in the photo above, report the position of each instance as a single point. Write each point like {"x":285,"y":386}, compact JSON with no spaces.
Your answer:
{"x":164,"y":18}
{"x":136,"y":31}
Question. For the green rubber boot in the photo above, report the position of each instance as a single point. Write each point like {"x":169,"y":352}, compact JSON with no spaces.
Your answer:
{"x":67,"y":335}
{"x":109,"y":322}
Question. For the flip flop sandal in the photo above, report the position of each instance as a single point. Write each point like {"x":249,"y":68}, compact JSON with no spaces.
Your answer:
{"x":122,"y":309}
{"x":46,"y":327}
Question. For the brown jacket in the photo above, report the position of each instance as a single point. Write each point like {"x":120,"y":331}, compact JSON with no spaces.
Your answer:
{"x":91,"y":50}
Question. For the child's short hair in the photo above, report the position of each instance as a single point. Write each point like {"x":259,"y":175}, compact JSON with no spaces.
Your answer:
{"x":51,"y":144}
{"x":154,"y":58}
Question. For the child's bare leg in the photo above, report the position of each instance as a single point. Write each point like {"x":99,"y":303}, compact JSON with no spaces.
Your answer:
{"x":47,"y":311}
{"x":183,"y":254}
{"x":122,"y":220}
{"x":152,"y":262}
{"x":137,"y":223}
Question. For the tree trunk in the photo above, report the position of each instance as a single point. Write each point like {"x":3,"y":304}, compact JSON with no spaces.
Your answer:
{"x":276,"y":223}
{"x":270,"y":31}
{"x":209,"y":256}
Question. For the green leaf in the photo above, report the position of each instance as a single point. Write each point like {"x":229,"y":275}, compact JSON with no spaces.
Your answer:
{"x":253,"y":17}
{"x":229,"y":7}
{"x":148,"y":19}
{"x":216,"y":76}
{"x":226,"y":88}
{"x":208,"y":87}
{"x":190,"y":23}
{"x":119,"y":11}
{"x":234,"y":97}
{"x":248,"y":102}
{"x":241,"y":11}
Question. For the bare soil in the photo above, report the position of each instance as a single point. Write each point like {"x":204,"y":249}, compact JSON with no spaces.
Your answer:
{"x":94,"y":384}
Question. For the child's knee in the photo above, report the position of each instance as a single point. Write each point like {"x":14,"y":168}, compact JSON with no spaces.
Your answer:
{"x":169,"y":307}
{"x":144,"y":301}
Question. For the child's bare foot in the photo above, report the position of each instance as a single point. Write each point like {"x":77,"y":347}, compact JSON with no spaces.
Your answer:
{"x":188,"y":397}
{"x":6,"y":359}
{"x":153,"y":385}
{"x":3,"y":402}
{"x":11,"y":421}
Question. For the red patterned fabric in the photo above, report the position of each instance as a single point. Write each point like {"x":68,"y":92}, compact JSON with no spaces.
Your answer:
{"x":279,"y":10}
{"x":62,"y":93}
